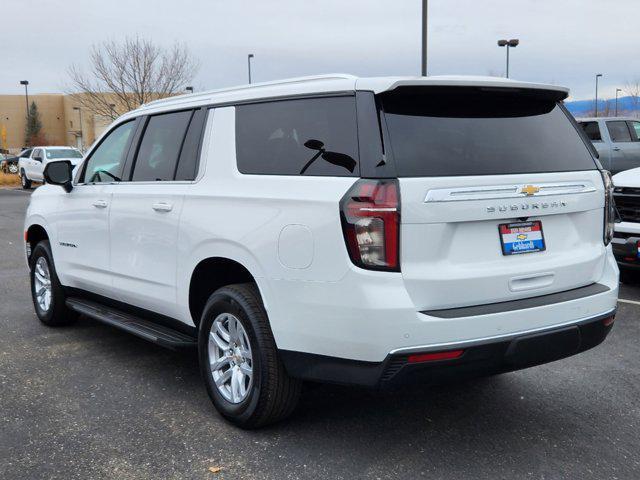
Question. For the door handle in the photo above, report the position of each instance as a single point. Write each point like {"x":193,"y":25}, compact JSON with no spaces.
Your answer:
{"x":616,"y":149}
{"x":162,"y":207}
{"x":100,"y":204}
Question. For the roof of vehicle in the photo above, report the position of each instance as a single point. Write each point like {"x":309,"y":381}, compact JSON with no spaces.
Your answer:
{"x":331,"y":83}
{"x":593,"y":119}
{"x":51,"y":147}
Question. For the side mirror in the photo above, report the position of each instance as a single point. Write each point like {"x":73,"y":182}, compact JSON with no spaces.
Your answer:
{"x":37,"y":159}
{"x":59,"y":173}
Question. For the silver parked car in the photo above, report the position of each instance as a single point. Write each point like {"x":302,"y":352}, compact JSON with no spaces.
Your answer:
{"x":617,"y":140}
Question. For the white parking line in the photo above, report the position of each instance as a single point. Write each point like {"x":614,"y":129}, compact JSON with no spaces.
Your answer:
{"x":633,"y":302}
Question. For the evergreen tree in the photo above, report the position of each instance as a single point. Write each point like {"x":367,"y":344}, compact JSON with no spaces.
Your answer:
{"x":33,"y":130}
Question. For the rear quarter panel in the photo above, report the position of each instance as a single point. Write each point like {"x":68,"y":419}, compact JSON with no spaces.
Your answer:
{"x":283,"y":229}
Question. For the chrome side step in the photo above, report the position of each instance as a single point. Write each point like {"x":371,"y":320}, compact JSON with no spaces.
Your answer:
{"x":153,"y":332}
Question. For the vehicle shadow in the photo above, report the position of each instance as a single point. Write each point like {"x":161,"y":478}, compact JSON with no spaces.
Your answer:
{"x":481,"y":406}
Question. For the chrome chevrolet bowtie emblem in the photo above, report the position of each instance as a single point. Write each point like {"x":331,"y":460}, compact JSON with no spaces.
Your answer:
{"x":529,"y":190}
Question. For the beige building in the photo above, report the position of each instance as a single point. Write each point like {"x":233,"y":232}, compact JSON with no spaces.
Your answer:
{"x":60,"y":122}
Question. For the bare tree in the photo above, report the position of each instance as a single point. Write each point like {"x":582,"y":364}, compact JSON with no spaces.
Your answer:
{"x":632,"y":88}
{"x":123,"y":76}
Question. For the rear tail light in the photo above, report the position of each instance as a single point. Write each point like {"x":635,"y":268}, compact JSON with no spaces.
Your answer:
{"x":370,"y":213}
{"x":609,"y":207}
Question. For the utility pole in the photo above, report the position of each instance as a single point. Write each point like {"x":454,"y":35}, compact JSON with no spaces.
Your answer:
{"x":514,"y":42}
{"x":598,"y":75}
{"x":249,"y":57}
{"x":26,"y":95}
{"x":81,"y":132}
{"x":425,"y":8}
{"x":618,"y":90}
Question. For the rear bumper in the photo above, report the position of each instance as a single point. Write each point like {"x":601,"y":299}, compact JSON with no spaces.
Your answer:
{"x":477,"y":358}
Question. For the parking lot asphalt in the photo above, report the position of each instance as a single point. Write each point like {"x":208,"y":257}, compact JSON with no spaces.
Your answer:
{"x":89,"y":401}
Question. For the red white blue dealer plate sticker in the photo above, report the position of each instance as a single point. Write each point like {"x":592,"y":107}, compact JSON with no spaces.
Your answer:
{"x":522,"y":237}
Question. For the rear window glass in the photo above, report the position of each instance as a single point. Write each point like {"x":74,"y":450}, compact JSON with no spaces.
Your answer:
{"x":315,"y":136}
{"x":463,"y":131}
{"x":592,"y":131}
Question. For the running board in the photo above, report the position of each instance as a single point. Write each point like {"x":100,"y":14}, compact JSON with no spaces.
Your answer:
{"x":153,"y":332}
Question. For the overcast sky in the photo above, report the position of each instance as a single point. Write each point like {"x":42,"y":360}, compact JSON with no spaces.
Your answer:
{"x":563,"y":41}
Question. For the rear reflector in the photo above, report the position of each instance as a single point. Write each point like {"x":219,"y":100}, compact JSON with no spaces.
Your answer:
{"x":609,"y":320}
{"x":435,"y":356}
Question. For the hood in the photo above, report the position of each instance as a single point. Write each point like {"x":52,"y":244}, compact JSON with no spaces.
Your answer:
{"x":627,"y":178}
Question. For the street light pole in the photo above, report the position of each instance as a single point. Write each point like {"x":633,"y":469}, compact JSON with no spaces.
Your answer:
{"x":81,"y":133}
{"x":26,"y":95}
{"x":249,"y":57}
{"x":514,"y":42}
{"x":597,"y":77}
{"x":618,"y":90}
{"x":425,"y":8}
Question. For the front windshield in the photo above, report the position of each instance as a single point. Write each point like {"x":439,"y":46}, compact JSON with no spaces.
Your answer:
{"x":63,"y":153}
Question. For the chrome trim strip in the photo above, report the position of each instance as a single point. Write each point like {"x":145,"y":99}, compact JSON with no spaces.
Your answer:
{"x":481,"y":341}
{"x":494,"y":192}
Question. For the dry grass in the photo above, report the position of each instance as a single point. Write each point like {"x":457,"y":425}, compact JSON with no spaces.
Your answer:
{"x":9,"y":180}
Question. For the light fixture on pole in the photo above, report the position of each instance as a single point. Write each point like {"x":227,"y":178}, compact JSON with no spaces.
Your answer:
{"x":81,"y":134}
{"x":188,"y":89}
{"x":249,"y":57}
{"x":598,"y":75}
{"x":618,"y":90}
{"x":26,"y":95}
{"x":514,"y":42}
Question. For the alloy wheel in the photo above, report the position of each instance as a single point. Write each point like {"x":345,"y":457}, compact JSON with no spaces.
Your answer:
{"x":42,"y":284}
{"x":231,"y":361}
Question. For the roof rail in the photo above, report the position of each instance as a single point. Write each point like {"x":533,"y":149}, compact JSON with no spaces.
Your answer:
{"x":285,"y":81}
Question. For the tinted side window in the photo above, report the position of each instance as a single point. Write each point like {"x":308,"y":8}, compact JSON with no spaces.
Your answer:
{"x":636,"y":129}
{"x":161,"y":143}
{"x":106,"y":160}
{"x":592,"y":130}
{"x":315,"y":136}
{"x":26,"y":154}
{"x":189,"y":156}
{"x":619,"y":131}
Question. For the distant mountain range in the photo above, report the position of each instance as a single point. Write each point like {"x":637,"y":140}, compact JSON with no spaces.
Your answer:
{"x":583,"y":108}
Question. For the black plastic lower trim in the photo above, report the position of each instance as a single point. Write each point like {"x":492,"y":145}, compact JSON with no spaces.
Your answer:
{"x":496,"y":356}
{"x":143,"y":328}
{"x":531,"y":302}
{"x":154,"y":317}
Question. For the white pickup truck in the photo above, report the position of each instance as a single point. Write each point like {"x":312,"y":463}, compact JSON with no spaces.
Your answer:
{"x":33,"y":160}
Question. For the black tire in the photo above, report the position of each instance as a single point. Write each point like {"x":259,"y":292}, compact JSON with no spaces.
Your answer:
{"x":26,"y":183}
{"x":629,"y":276}
{"x":57,"y":312}
{"x":273,"y":395}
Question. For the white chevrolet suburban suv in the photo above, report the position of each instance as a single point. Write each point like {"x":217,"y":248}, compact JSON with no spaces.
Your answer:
{"x":363,"y":231}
